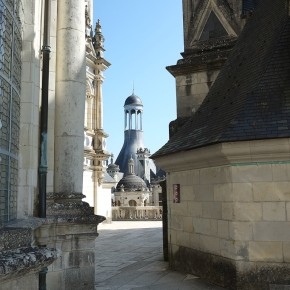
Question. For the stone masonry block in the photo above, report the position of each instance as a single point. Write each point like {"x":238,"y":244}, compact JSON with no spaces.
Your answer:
{"x":186,"y":177}
{"x":271,"y":231}
{"x":87,"y":243}
{"x":182,"y":239}
{"x":252,"y":173}
{"x":227,"y":211}
{"x":223,"y":229}
{"x":199,"y":88}
{"x":235,"y":250}
{"x":288,"y":211}
{"x":27,"y":68}
{"x":215,"y":175}
{"x":172,"y":236}
{"x":27,"y":95}
{"x":187,"y":193}
{"x":66,"y":245}
{"x":174,"y":249}
{"x":188,"y":224}
{"x":266,"y":251}
{"x":274,"y":211}
{"x":204,"y":192}
{"x":214,"y":227}
{"x":180,"y":209}
{"x":54,"y":279}
{"x":194,"y":209}
{"x":243,"y":191}
{"x":241,"y":231}
{"x":271,"y":191}
{"x":248,"y":211}
{"x":210,"y":244}
{"x":286,"y":252}
{"x":194,"y":241}
{"x":281,"y":172}
{"x":202,"y":226}
{"x":223,"y":192}
{"x":212,"y":210}
{"x":176,"y":222}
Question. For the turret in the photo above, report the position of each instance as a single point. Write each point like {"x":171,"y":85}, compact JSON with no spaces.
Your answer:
{"x":133,"y":133}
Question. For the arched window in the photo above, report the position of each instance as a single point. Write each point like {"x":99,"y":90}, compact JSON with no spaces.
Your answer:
{"x":132,"y":202}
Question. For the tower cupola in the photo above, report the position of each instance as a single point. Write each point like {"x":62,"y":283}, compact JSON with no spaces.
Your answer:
{"x":133,"y":110}
{"x":133,"y":133}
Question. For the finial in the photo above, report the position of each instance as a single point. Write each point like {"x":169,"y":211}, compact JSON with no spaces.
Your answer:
{"x":98,"y":25}
{"x":133,"y":88}
{"x":98,"y":40}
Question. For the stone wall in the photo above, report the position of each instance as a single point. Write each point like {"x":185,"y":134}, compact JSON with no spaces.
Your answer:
{"x":75,"y":269}
{"x":191,"y":89}
{"x":30,"y":104}
{"x":232,"y":223}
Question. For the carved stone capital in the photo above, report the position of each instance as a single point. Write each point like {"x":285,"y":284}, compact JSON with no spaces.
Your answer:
{"x":71,"y":208}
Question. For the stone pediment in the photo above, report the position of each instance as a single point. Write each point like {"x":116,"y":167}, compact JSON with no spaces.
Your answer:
{"x":210,"y":20}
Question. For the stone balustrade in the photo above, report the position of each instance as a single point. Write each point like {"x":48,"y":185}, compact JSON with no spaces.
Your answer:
{"x":137,"y":213}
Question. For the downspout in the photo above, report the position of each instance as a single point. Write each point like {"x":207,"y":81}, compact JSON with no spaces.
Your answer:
{"x":42,"y":169}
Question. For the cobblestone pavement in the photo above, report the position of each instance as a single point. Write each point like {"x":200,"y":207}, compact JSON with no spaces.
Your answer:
{"x":129,"y":256}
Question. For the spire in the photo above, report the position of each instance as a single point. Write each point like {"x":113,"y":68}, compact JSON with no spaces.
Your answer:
{"x":133,"y":88}
{"x":98,"y":40}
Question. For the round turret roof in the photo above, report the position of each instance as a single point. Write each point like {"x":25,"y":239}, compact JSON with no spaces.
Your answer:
{"x":133,"y":100}
{"x":113,"y":166}
{"x":131,"y":182}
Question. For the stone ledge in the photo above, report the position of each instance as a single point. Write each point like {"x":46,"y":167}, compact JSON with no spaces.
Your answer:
{"x":227,"y":153}
{"x":91,"y":219}
{"x":29,"y":223}
{"x":22,"y":261}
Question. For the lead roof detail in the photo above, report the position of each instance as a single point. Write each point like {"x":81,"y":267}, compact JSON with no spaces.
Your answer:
{"x":250,"y":99}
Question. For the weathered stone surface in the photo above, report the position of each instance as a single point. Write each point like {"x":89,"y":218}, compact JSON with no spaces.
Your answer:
{"x":235,"y":275}
{"x":13,"y":238}
{"x":220,"y":271}
{"x":22,"y":261}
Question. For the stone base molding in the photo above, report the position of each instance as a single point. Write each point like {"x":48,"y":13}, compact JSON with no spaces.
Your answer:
{"x":231,"y":274}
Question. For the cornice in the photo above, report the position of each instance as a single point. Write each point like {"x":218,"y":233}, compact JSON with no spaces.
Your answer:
{"x":227,"y":154}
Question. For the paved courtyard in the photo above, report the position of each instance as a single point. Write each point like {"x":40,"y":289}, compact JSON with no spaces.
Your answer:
{"x":129,"y":256}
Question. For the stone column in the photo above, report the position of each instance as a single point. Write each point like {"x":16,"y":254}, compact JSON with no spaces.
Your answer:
{"x":99,"y":103}
{"x":70,"y":96}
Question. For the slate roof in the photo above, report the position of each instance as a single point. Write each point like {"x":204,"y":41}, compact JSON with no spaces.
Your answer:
{"x":133,"y":100}
{"x":250,"y":99}
{"x":131,"y":182}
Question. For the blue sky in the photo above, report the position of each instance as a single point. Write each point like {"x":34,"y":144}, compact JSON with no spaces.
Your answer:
{"x":142,"y":37}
